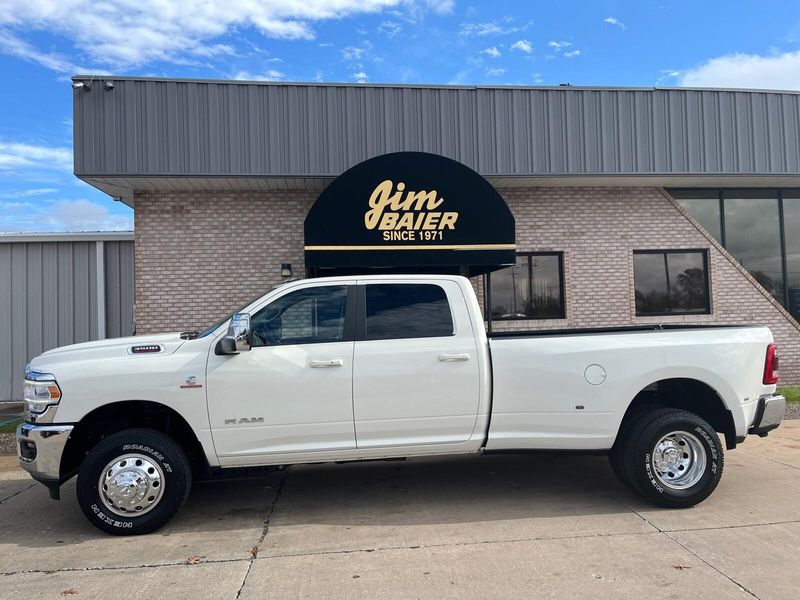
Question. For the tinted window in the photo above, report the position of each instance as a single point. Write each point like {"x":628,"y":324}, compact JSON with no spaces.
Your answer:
{"x":307,"y":316}
{"x":791,"y":214}
{"x":703,"y":205}
{"x":531,"y":289}
{"x":752,"y":235}
{"x":397,"y":311}
{"x":672,"y":282}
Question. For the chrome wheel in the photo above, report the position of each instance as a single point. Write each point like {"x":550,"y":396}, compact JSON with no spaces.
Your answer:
{"x":131,"y":485}
{"x":679,"y":460}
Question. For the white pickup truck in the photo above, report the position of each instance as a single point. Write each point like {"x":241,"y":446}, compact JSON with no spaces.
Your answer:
{"x":377,"y":367}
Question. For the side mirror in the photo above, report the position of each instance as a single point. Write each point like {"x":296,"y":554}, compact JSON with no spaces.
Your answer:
{"x":238,"y":337}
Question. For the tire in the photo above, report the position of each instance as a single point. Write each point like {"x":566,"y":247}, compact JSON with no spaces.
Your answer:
{"x":616,"y":456}
{"x":133,"y":482}
{"x":673,"y":458}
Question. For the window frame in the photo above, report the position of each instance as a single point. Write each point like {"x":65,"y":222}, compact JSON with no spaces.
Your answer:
{"x":704,"y":253}
{"x":348,"y":334}
{"x":361,"y":311}
{"x":487,"y":289}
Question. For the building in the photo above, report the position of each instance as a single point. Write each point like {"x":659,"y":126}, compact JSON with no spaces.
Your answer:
{"x":58,"y":289}
{"x":615,"y":206}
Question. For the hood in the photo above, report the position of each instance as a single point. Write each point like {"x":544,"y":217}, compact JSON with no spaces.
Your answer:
{"x":165,"y":343}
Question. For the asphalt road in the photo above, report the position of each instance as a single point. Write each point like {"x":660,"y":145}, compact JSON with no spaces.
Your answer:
{"x":530,"y":526}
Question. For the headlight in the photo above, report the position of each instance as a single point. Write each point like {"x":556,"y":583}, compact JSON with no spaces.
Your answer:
{"x":40,"y":391}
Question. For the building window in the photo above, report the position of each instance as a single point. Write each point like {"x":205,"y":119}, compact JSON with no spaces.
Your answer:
{"x":531,"y":289}
{"x":752,"y":235}
{"x":759,"y":227}
{"x":671,"y":282}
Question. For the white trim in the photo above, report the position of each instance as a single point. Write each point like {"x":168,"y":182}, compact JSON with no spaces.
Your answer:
{"x":77,"y":236}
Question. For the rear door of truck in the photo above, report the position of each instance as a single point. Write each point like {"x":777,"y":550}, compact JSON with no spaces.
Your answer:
{"x":416,"y":377}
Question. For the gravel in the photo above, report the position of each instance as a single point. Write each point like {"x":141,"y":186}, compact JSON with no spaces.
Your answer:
{"x":793,"y":410}
{"x":8,"y":444}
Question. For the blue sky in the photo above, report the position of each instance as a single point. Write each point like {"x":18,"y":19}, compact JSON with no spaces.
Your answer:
{"x":629,"y":43}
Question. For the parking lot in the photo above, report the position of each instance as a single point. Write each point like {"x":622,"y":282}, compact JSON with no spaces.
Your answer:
{"x":469,"y":527}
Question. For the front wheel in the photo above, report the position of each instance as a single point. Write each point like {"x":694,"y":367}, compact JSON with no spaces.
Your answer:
{"x":133,"y":482}
{"x":674,"y":458}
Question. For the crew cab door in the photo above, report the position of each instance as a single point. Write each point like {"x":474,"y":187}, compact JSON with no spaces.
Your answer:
{"x":292,"y":391}
{"x":416,"y":367}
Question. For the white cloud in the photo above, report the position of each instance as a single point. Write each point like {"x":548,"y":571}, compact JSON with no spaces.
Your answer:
{"x":572,"y":54}
{"x":14,"y":155}
{"x":28,"y":193}
{"x":390,"y":28}
{"x":355,"y":53}
{"x":780,"y":71}
{"x":62,"y":215}
{"x":441,"y":7}
{"x":360,"y":77}
{"x":504,"y":26}
{"x":537,"y":78}
{"x":121,"y":33}
{"x":665,"y":74}
{"x":615,"y":21}
{"x":495,"y":72}
{"x":268,"y":75}
{"x":523,"y":46}
{"x":559,"y":45}
{"x":492,"y":52}
{"x":11,"y":44}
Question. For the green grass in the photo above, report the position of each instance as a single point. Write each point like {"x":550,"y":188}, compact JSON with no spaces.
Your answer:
{"x":10,"y":427}
{"x":792,"y":393}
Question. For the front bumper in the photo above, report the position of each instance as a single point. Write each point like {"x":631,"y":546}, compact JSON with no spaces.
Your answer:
{"x":39,"y":448}
{"x":769,"y":414}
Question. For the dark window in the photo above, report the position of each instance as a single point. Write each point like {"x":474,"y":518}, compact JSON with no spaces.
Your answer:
{"x":396,"y":311}
{"x":752,"y":235}
{"x":307,"y":316}
{"x":531,"y":289}
{"x":791,"y":217}
{"x":704,"y":206}
{"x":671,"y":282}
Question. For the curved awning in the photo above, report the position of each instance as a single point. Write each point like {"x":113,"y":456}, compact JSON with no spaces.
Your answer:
{"x":410,"y":210}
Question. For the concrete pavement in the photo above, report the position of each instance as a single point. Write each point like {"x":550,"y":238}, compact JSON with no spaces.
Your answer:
{"x":463,"y":527}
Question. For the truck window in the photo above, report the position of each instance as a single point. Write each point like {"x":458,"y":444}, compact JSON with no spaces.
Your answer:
{"x":308,"y":316}
{"x":396,"y":311}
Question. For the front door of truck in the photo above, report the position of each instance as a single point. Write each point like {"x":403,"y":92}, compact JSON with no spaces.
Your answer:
{"x":292,"y":391}
{"x":416,"y":378}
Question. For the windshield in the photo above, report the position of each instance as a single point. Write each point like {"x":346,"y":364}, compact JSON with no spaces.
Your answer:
{"x":227,"y":317}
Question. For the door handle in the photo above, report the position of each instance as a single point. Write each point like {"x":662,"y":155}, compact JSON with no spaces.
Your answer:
{"x":448,"y":357}
{"x":325,"y":364}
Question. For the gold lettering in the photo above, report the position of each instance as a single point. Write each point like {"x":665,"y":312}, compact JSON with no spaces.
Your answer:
{"x":389,"y":221}
{"x":377,"y":202}
{"x":448,"y":220}
{"x":431,"y":220}
{"x":422,"y":200}
{"x":406,"y":221}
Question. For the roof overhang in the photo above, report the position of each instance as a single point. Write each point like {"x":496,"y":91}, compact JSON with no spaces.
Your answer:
{"x":123,"y":188}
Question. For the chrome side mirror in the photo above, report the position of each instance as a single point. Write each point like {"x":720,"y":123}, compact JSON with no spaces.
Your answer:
{"x":238,"y":337}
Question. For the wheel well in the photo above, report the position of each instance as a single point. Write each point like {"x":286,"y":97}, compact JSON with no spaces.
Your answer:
{"x":117,"y":416}
{"x":687,"y":394}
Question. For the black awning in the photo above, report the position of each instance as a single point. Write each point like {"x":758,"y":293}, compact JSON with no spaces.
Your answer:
{"x":410,"y":210}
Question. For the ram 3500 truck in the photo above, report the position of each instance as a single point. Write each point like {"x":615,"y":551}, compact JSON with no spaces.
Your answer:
{"x":378,"y":367}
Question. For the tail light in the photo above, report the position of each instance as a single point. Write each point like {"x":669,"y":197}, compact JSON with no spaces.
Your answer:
{"x":771,"y":366}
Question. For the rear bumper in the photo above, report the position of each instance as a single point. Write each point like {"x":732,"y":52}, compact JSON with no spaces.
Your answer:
{"x":39,"y":448}
{"x":769,"y":414}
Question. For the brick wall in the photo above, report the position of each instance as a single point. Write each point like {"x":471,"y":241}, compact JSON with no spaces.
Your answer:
{"x":199,"y":256}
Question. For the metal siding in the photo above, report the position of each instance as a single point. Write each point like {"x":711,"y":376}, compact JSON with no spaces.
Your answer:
{"x":119,"y":288}
{"x":48,"y":298}
{"x":180,"y":128}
